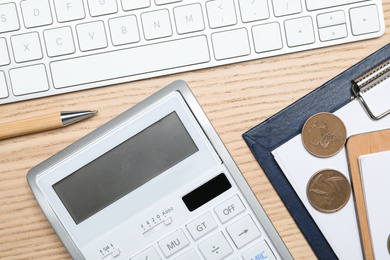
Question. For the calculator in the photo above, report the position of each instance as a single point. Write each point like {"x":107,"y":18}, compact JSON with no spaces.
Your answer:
{"x":154,"y":183}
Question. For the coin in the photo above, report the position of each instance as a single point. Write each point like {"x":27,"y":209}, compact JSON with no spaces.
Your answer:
{"x":328,"y":190}
{"x":388,"y":244}
{"x":324,"y":134}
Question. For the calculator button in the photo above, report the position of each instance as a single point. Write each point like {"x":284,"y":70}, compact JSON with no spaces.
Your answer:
{"x":243,"y":231}
{"x":173,"y":243}
{"x":150,"y":254}
{"x":189,"y":255}
{"x":229,"y":209}
{"x":259,"y":251}
{"x":202,"y":226}
{"x":215,"y":247}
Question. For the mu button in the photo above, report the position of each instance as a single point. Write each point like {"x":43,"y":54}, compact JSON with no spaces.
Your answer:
{"x":173,"y":243}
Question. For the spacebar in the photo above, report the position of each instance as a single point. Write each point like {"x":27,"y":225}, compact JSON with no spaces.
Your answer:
{"x":130,"y":62}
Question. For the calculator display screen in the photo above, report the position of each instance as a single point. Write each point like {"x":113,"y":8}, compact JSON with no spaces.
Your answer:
{"x":125,"y":168}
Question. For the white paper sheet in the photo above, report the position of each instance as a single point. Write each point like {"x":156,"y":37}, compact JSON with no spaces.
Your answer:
{"x":340,"y":228}
{"x":375,"y":174}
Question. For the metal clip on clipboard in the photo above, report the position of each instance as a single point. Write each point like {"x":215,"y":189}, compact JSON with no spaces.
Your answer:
{"x":368,"y":81}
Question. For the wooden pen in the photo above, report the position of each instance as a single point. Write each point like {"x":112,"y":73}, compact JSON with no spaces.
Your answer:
{"x":42,"y":123}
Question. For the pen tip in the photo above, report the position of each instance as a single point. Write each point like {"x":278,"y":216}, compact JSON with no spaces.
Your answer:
{"x":94,"y":112}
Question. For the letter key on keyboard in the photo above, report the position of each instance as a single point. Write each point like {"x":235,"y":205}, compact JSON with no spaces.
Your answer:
{"x":79,"y":44}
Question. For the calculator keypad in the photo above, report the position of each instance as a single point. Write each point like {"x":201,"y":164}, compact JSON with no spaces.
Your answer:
{"x":236,"y":235}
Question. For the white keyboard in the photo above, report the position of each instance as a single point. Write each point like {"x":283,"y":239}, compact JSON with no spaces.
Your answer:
{"x":48,"y":47}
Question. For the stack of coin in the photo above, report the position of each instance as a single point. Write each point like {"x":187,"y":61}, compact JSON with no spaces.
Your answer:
{"x":324,"y":135}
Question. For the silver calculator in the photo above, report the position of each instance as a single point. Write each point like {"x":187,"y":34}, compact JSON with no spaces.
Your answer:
{"x":154,"y":183}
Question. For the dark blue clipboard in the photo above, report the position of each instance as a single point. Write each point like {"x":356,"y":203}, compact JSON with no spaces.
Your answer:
{"x":281,"y":127}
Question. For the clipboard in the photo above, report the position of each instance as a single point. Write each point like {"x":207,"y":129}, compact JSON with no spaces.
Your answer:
{"x":278,"y":129}
{"x":358,"y":145}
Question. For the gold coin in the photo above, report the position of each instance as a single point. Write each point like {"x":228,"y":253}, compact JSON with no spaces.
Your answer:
{"x":388,"y":244}
{"x":328,"y":190}
{"x":324,"y":134}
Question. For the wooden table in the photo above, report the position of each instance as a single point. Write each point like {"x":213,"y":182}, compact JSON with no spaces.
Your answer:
{"x":234,"y":97}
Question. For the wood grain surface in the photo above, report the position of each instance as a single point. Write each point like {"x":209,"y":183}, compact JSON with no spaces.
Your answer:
{"x":234,"y":97}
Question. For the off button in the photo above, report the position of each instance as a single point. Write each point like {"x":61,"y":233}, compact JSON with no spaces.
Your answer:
{"x":229,"y":209}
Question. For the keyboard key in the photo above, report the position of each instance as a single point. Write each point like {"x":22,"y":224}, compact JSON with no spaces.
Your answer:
{"x":36,"y":13}
{"x":299,"y":31}
{"x":150,"y":254}
{"x":30,"y":79}
{"x":221,"y":13}
{"x":124,"y":30}
{"x":163,"y":2}
{"x":173,"y":243}
{"x":133,"y":5}
{"x":189,"y":255}
{"x":189,"y":18}
{"x":117,"y":64}
{"x":91,"y":36}
{"x":156,"y":24}
{"x":321,"y":4}
{"x":215,"y":247}
{"x":330,"y":19}
{"x":230,"y":44}
{"x":333,"y":32}
{"x":9,"y":20}
{"x":202,"y":226}
{"x":253,"y":10}
{"x":267,"y":37}
{"x":26,"y":47}
{"x":3,"y":86}
{"x":69,"y":10}
{"x":286,"y":7}
{"x":4,"y":56}
{"x":364,"y":19}
{"x":229,"y":209}
{"x":59,"y":41}
{"x":102,"y":7}
{"x":259,"y":251}
{"x":243,"y":231}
